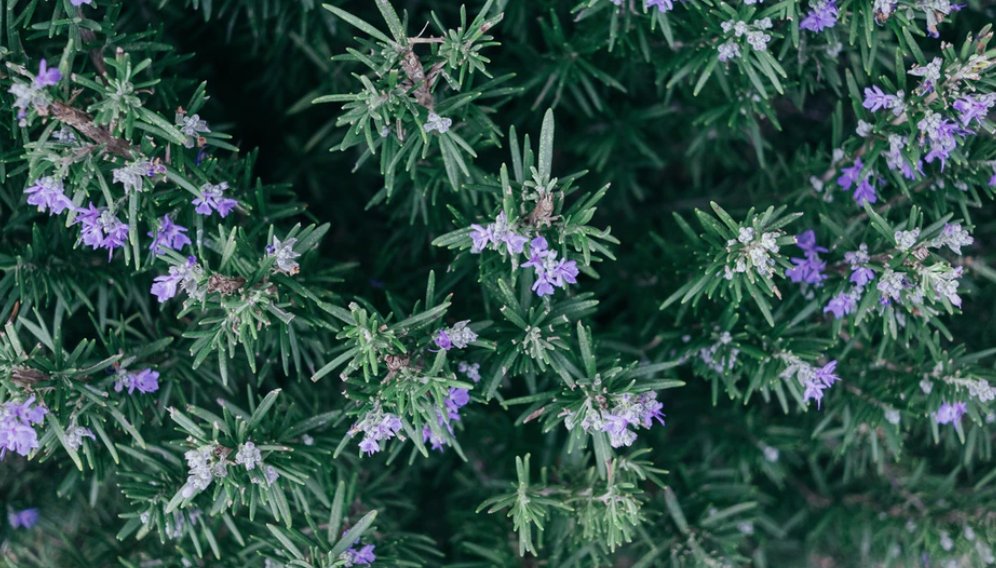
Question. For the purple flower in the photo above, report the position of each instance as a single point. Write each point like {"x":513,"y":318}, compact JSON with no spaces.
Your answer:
{"x":48,"y":194}
{"x":145,"y":381}
{"x":458,"y":335}
{"x":822,"y":15}
{"x":865,"y":192}
{"x":810,"y":268}
{"x":168,"y":235}
{"x":213,"y":199}
{"x":661,"y":5}
{"x":47,"y":77}
{"x":165,"y":286}
{"x":941,"y":134}
{"x":377,"y":426}
{"x":551,"y":273}
{"x":974,"y":108}
{"x":841,"y":305}
{"x":101,"y":229}
{"x":457,"y":399}
{"x":26,"y":519}
{"x":876,"y":99}
{"x":639,"y":411}
{"x":849,"y":176}
{"x":949,"y":413}
{"x":480,"y":236}
{"x":16,"y":431}
{"x":862,"y":275}
{"x":820,"y":380}
{"x":497,"y":234}
{"x":807,"y":242}
{"x":442,"y":340}
{"x":81,"y":2}
{"x":363,"y":556}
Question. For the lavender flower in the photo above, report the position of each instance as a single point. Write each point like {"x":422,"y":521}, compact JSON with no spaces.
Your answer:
{"x":458,"y":335}
{"x":728,"y":50}
{"x":941,"y":134}
{"x":213,"y":199}
{"x":974,"y":109}
{"x":471,"y":370}
{"x":16,"y":431}
{"x":850,"y":175}
{"x":497,"y":235}
{"x":183,"y":276}
{"x":249,"y":456}
{"x":359,"y":557}
{"x":47,"y":194}
{"x":168,"y":235}
{"x":191,"y":126}
{"x":437,"y":123}
{"x":47,"y":77}
{"x":822,"y":379}
{"x":890,"y":285}
{"x":551,"y":272}
{"x":865,"y":192}
{"x":661,"y":5}
{"x":954,"y":236}
{"x":204,"y":465}
{"x":861,"y":275}
{"x":284,"y":255}
{"x":896,"y":161}
{"x":26,"y":518}
{"x":145,"y":381}
{"x":810,"y":268}
{"x":841,"y":305}
{"x":822,"y":15}
{"x":814,"y":380}
{"x":78,"y":3}
{"x":455,"y":400}
{"x":876,"y":99}
{"x":131,"y":175}
{"x":631,"y":411}
{"x":101,"y":229}
{"x":377,"y":426}
{"x":949,"y":413}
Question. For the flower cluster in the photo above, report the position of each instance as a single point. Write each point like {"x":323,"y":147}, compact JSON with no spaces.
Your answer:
{"x":132,"y":176}
{"x":630,"y":412}
{"x":250,"y":457}
{"x":100,"y":228}
{"x":499,"y":236}
{"x":808,"y":269}
{"x":16,"y":431}
{"x":363,"y":556}
{"x":551,"y":272}
{"x":851,"y":176}
{"x":471,"y":370}
{"x":204,"y":464}
{"x":145,"y":381}
{"x":284,"y":255}
{"x":377,"y":426}
{"x":24,"y":519}
{"x":192,"y":127}
{"x":459,"y":335}
{"x":815,"y":380}
{"x":48,"y":195}
{"x":32,"y":95}
{"x":212,"y":198}
{"x":949,"y":413}
{"x":186,"y":277}
{"x":455,"y":400}
{"x":755,"y":252}
{"x":168,"y":235}
{"x":754,"y":33}
{"x":822,"y":15}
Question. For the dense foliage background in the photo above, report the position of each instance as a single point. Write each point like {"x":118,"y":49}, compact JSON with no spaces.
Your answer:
{"x":497,"y":284}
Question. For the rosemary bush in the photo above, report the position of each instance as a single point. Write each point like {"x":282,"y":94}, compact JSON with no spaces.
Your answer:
{"x":566,"y":283}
